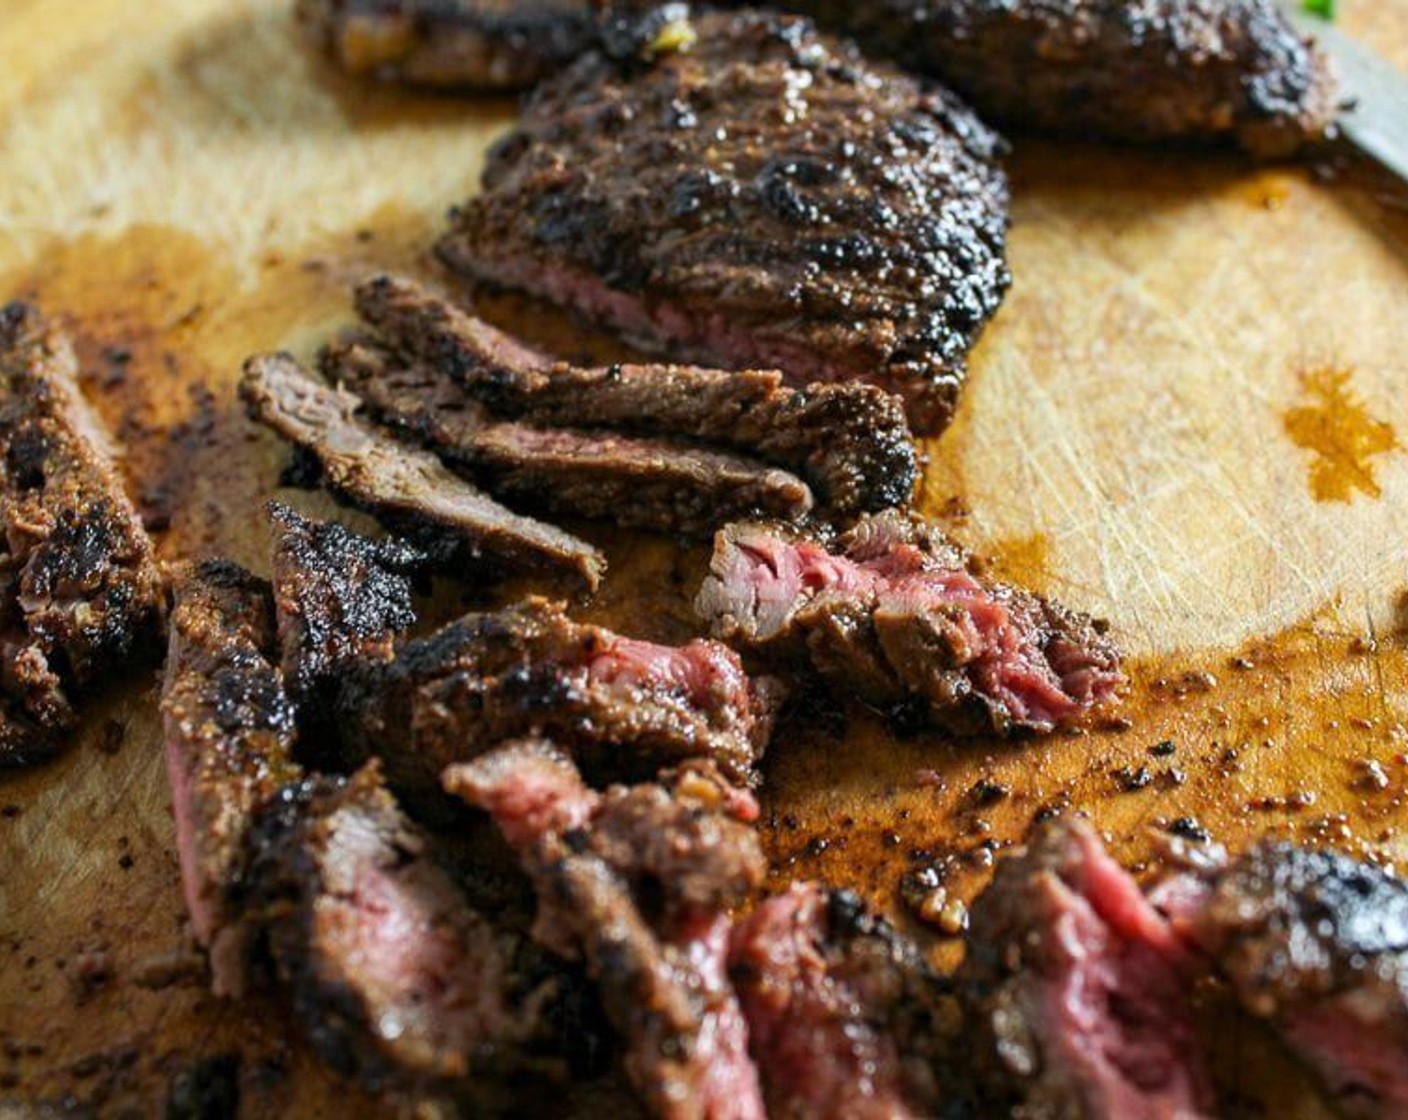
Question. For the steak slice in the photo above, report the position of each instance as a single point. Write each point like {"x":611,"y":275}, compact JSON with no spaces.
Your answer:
{"x":846,"y":1019}
{"x":229,"y":734}
{"x":767,"y":198}
{"x":663,"y":983}
{"x":655,"y":484}
{"x":403,"y":485}
{"x":1317,"y":943}
{"x":79,"y":586}
{"x":849,"y":441}
{"x":625,"y":706}
{"x":897,"y":617}
{"x":1076,"y":990}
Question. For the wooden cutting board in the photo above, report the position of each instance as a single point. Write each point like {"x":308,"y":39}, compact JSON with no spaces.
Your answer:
{"x":1187,"y":417}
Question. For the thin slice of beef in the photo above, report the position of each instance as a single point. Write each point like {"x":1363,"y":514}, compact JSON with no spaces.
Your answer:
{"x":662,"y":981}
{"x":403,"y":485}
{"x":846,"y":1019}
{"x":849,"y":441}
{"x":624,"y":706}
{"x":896,"y":616}
{"x":229,"y":735}
{"x":80,"y":591}
{"x":649,"y":483}
{"x":767,"y":198}
{"x":1076,"y":989}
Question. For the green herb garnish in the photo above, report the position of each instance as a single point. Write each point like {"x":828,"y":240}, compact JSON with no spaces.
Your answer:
{"x":1325,"y":9}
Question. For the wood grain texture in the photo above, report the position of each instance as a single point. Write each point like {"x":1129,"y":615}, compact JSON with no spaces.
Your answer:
{"x":186,"y":185}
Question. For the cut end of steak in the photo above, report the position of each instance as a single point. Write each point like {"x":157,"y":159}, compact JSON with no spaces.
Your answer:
{"x":229,"y":733}
{"x":767,"y":198}
{"x":339,"y":596}
{"x":896,"y":617}
{"x":395,"y":481}
{"x":1076,"y":987}
{"x":846,"y":1020}
{"x":79,"y":586}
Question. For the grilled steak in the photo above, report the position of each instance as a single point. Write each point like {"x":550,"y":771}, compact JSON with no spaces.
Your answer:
{"x":850,"y":442}
{"x":79,"y":586}
{"x":625,"y":706}
{"x":765,"y":199}
{"x":897,"y":618}
{"x":846,"y":1020}
{"x":229,"y":732}
{"x":1317,"y":943}
{"x":403,"y":485}
{"x":662,"y":983}
{"x":1075,"y":987}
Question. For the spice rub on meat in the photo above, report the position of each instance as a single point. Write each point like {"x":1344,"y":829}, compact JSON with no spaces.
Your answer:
{"x":896,"y":617}
{"x":79,"y":586}
{"x":767,"y":198}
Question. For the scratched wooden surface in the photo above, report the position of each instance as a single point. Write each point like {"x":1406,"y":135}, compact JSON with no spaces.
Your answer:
{"x":1186,"y":417}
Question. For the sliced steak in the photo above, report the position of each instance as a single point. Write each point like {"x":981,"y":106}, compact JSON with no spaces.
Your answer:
{"x":846,"y":1019}
{"x":1076,"y":990}
{"x":403,"y":485}
{"x":625,"y":706}
{"x":767,"y":198}
{"x":850,"y":441}
{"x":80,"y":591}
{"x":896,"y":616}
{"x":229,"y":734}
{"x":662,"y":982}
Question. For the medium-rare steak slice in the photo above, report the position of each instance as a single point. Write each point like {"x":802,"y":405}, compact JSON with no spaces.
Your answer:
{"x":403,"y":485}
{"x":849,"y":441}
{"x":896,"y":617}
{"x":625,"y":706}
{"x":1076,"y":990}
{"x":846,"y":1019}
{"x":229,"y":733}
{"x":650,"y":483}
{"x":79,"y":584}
{"x":663,"y":982}
{"x":766,"y":198}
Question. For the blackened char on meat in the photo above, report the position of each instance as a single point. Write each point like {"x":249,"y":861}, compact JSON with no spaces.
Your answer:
{"x":661,"y":976}
{"x":849,"y":441}
{"x":1076,"y":990}
{"x":403,"y":485}
{"x":625,"y":706}
{"x":896,"y":617}
{"x":846,"y":1019}
{"x":79,"y":586}
{"x":229,"y":734}
{"x":765,"y":199}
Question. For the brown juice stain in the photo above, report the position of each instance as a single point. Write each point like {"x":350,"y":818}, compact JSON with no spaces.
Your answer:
{"x":1343,"y":437}
{"x":1024,"y":560}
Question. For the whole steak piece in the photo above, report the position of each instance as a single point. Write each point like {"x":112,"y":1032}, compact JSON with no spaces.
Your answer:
{"x":767,"y":199}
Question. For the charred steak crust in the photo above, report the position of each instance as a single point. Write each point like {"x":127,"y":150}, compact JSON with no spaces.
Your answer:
{"x":767,"y":198}
{"x":80,"y":585}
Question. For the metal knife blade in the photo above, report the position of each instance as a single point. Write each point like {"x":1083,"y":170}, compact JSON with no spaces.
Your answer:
{"x":1377,"y":122}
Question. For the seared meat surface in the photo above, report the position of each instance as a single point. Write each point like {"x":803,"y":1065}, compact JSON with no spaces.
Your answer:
{"x":1076,"y":990}
{"x":661,"y":978}
{"x":767,"y":198}
{"x":625,"y":706}
{"x":846,"y":1020}
{"x":400,"y":484}
{"x":896,"y":617}
{"x":79,"y":586}
{"x":229,"y":732}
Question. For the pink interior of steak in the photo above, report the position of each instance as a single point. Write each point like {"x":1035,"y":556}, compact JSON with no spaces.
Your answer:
{"x":706,"y":673}
{"x":1357,"y":1056}
{"x":529,"y":789}
{"x":180,"y":778}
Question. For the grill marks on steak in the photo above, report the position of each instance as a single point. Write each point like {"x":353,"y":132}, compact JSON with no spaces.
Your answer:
{"x":79,"y":585}
{"x":633,"y":881}
{"x":896,"y":617}
{"x":1076,"y":989}
{"x":846,"y":1019}
{"x":397,"y":482}
{"x":765,"y":199}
